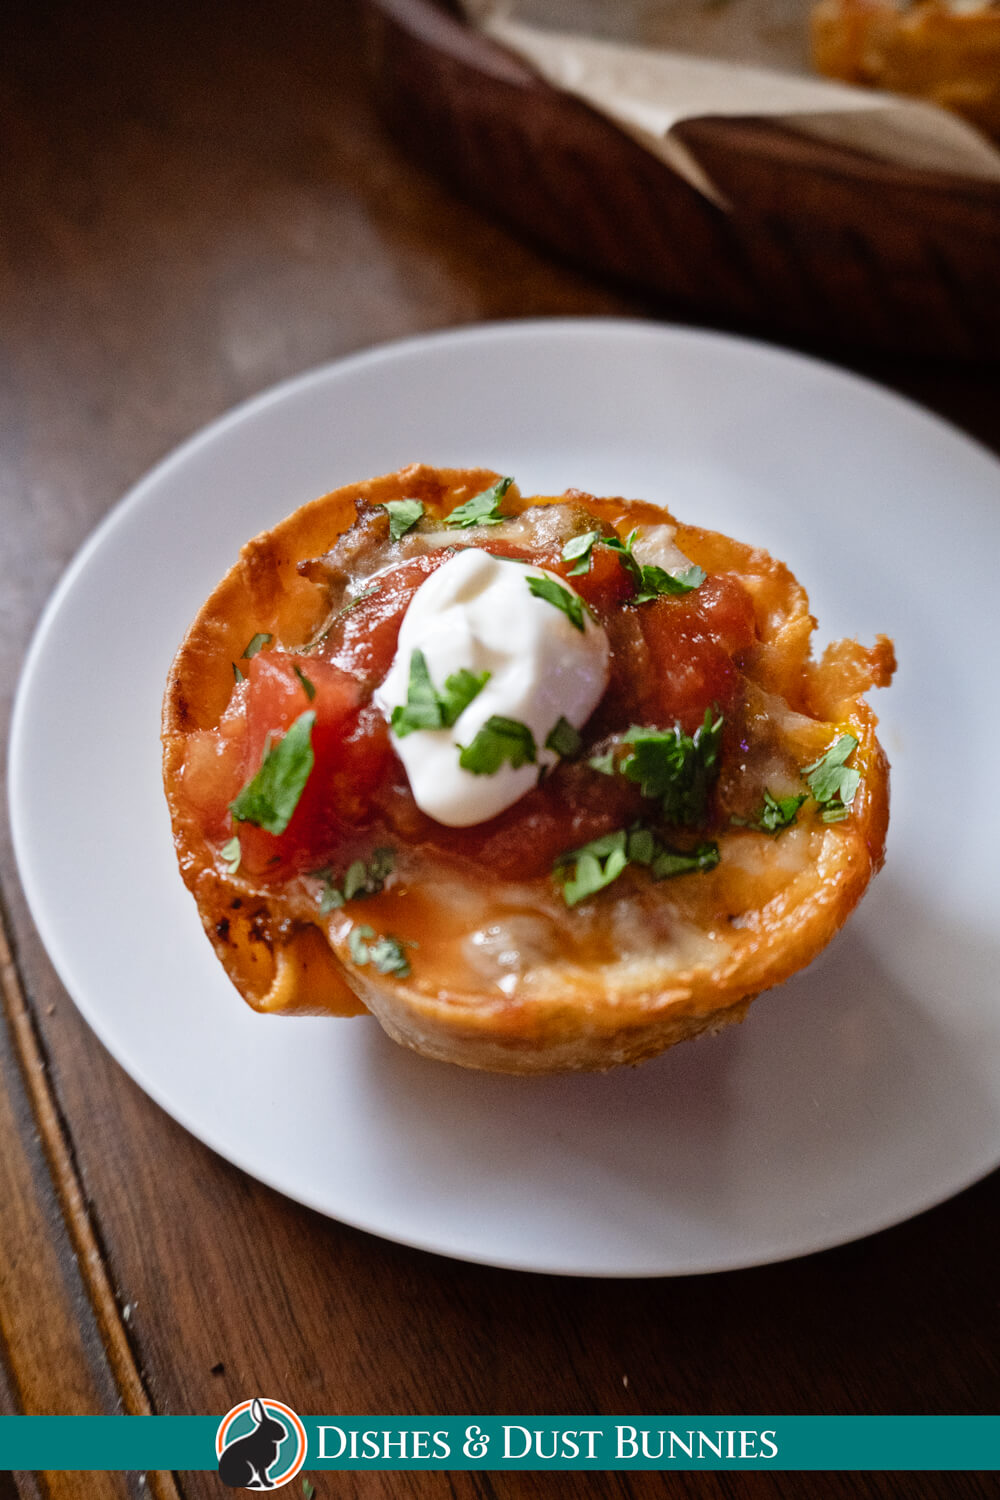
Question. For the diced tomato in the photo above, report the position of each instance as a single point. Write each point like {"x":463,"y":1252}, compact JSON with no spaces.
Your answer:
{"x":363,"y":641}
{"x":572,"y":806}
{"x":349,"y":742}
{"x":727,"y":611}
{"x":671,"y":658}
{"x":213,"y":769}
{"x":688,"y":669}
{"x":606,"y":585}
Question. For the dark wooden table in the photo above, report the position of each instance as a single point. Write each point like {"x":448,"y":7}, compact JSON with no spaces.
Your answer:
{"x":196,"y":202}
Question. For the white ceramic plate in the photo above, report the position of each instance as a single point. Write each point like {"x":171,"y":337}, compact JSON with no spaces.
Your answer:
{"x":861,"y":1092}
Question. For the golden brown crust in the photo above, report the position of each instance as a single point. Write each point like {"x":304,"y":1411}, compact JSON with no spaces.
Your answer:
{"x":763,"y":914}
{"x":948,"y":57}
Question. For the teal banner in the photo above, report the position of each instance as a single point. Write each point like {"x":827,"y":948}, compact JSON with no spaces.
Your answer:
{"x":525,"y":1442}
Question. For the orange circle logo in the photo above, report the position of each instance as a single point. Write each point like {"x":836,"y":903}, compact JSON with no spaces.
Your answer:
{"x":260,"y":1445}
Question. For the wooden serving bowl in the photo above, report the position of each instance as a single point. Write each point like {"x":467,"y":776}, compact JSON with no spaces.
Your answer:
{"x":819,"y":243}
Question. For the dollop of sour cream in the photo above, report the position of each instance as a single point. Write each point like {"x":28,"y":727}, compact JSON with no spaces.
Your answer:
{"x":477,"y":612}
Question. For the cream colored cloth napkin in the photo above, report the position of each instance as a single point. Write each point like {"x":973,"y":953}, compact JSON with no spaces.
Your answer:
{"x":648,"y":91}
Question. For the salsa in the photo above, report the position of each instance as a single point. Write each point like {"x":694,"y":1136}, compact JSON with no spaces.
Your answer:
{"x":673,"y":658}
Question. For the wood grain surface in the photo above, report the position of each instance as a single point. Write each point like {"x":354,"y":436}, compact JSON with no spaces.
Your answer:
{"x":196,"y":202}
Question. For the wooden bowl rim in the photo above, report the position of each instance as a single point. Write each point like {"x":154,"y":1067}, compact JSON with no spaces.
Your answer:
{"x":436,"y":24}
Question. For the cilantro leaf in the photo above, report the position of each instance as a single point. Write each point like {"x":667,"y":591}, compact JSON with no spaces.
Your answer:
{"x":422,"y":709}
{"x":600,"y":862}
{"x":499,"y":740}
{"x":380,"y":866}
{"x":360,"y":880}
{"x":389,"y":957}
{"x":330,"y":900}
{"x":403,"y":516}
{"x":354,"y":880}
{"x":778,"y":812}
{"x":307,"y":687}
{"x":580,"y":548}
{"x":670,"y":862}
{"x":563,"y":598}
{"x":386,"y":953}
{"x":675,"y":767}
{"x":308,"y":1489}
{"x":232,"y":854}
{"x":563,"y":738}
{"x":833,"y":783}
{"x":271,"y":797}
{"x":604,"y":763}
{"x":237,"y":674}
{"x":483,"y":509}
{"x":652,"y":581}
{"x":643,"y":846}
{"x":425,"y":707}
{"x":686,"y":580}
{"x":655,"y":581}
{"x":624,"y":550}
{"x":357,"y":943}
{"x":595,"y":866}
{"x":459,"y":690}
{"x":256,"y":643}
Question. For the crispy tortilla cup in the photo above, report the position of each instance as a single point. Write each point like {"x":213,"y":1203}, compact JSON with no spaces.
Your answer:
{"x":691,"y":953}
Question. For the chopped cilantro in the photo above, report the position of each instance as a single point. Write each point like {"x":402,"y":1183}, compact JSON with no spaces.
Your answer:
{"x":643,"y":846}
{"x":360,"y":880}
{"x":599,"y":863}
{"x":832,"y":782}
{"x":422,"y":709}
{"x":604,"y":763}
{"x":656,"y":581}
{"x":650,"y":581}
{"x":232,"y":854}
{"x":483,"y":509}
{"x":563,"y":598}
{"x":308,"y":1490}
{"x":403,"y":516}
{"x":688,"y":579}
{"x":776,"y":814}
{"x":425,"y":707}
{"x":668,"y":862}
{"x":261,"y":639}
{"x":624,"y":548}
{"x":625,"y":557}
{"x":386,"y":953}
{"x":499,"y":740}
{"x":579,"y":549}
{"x":330,"y":900}
{"x":388,"y":956}
{"x":271,"y":797}
{"x":459,"y":690}
{"x":595,"y":866}
{"x":563,"y":738}
{"x":382,"y":864}
{"x":357,"y":943}
{"x":675,"y":767}
{"x":355,"y":879}
{"x":237,"y":674}
{"x":307,"y":687}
